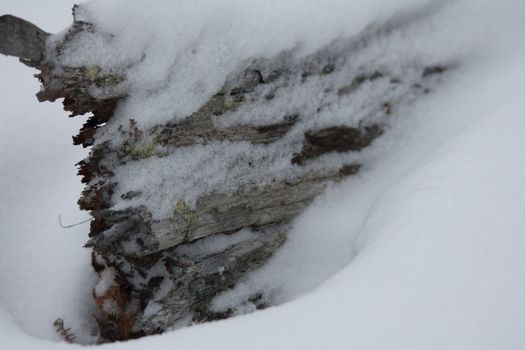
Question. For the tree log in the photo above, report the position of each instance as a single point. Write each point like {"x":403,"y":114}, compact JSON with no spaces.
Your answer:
{"x":146,"y":260}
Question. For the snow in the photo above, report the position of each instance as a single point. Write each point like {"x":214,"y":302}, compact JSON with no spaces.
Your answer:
{"x":180,"y":52}
{"x":44,"y":271}
{"x":221,"y":166}
{"x":422,"y":250}
{"x":107,"y":279}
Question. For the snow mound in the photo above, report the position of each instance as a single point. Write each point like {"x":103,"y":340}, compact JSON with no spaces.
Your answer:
{"x":424,"y":250}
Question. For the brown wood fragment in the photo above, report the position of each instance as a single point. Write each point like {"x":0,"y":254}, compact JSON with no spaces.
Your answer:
{"x":336,"y":139}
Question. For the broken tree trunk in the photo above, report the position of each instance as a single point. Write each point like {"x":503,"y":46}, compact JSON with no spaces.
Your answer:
{"x":151,"y":235}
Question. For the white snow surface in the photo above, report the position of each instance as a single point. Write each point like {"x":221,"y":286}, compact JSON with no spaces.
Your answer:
{"x":181,"y":52}
{"x":422,"y":250}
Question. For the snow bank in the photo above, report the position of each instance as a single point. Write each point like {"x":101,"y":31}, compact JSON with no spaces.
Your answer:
{"x":329,"y":234}
{"x":424,"y":250}
{"x":435,"y":229}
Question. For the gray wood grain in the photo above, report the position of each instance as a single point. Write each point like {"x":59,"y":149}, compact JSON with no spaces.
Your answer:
{"x":22,"y":39}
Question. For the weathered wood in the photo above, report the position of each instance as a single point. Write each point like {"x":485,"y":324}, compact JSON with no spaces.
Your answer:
{"x":196,"y":279}
{"x":200,"y":129}
{"x":213,"y":214}
{"x":153,"y":280}
{"x":22,"y":39}
{"x":336,"y":139}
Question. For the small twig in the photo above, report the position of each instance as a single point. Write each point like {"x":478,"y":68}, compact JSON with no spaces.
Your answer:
{"x":69,"y":226}
{"x":65,"y":333}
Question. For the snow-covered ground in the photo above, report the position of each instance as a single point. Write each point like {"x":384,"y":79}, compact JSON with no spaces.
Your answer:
{"x":43,"y":269}
{"x":423,"y":250}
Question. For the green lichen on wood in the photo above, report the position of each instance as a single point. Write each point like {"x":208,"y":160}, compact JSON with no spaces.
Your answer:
{"x":112,"y":79}
{"x":232,"y":103}
{"x":92,"y":73}
{"x":141,"y":151}
{"x":96,"y":76}
{"x":183,"y":209}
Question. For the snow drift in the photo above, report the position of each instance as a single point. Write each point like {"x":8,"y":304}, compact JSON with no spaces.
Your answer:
{"x":423,"y":250}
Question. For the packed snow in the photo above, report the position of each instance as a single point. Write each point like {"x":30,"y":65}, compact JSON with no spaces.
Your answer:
{"x":422,"y":250}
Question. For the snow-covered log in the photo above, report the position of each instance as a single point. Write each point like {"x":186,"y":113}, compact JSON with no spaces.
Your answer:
{"x":184,"y":207}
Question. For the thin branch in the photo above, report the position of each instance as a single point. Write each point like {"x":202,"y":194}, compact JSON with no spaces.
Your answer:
{"x":70,"y":226}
